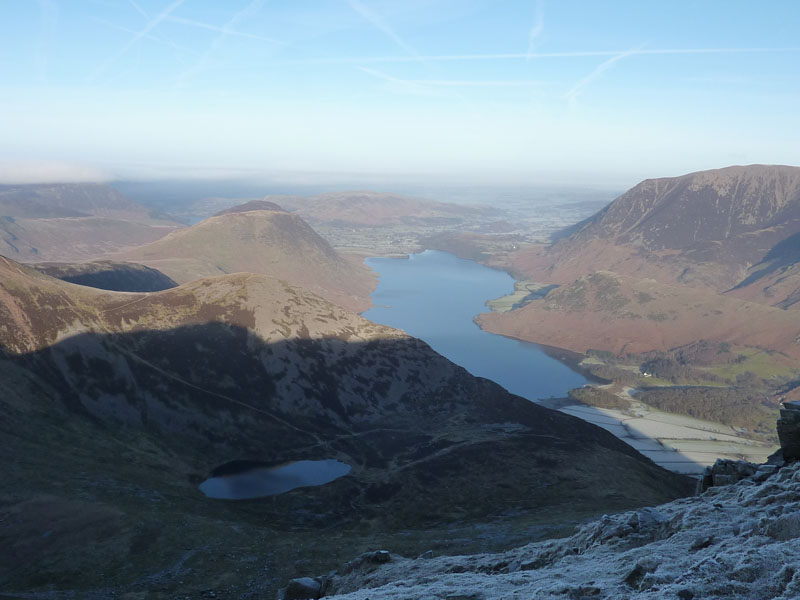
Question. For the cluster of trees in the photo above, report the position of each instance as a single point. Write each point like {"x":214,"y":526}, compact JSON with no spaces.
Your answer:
{"x":673,"y":369}
{"x":610,"y":373}
{"x":598,"y":397}
{"x":736,"y":406}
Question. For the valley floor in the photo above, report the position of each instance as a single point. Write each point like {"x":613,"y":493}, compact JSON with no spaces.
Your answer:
{"x":676,"y":442}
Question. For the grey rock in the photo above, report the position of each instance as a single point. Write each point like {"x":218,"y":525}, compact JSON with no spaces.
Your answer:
{"x":302,"y":588}
{"x":785,"y":528}
{"x":381,"y":556}
{"x":722,"y":479}
{"x":701,"y":542}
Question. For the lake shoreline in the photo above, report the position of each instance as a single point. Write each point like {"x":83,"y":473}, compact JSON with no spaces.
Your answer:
{"x":435,"y":296}
{"x":567,"y":357}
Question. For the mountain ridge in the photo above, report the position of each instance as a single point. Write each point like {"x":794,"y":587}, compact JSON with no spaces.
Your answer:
{"x":269,"y":242}
{"x":703,"y":229}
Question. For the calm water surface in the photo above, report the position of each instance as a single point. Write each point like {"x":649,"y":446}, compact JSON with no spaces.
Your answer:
{"x":257,"y":483}
{"x":435,"y":295}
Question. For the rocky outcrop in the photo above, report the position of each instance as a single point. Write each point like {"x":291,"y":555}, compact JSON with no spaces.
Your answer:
{"x":727,"y":472}
{"x":789,"y":430}
{"x":734,"y":541}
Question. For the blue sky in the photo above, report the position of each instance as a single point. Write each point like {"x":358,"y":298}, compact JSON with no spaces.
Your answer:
{"x":582,"y":91}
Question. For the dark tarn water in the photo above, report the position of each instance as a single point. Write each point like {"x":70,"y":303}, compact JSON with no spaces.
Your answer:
{"x":258,"y":483}
{"x":435,"y":295}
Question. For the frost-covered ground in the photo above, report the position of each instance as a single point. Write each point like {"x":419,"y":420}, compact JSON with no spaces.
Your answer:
{"x":676,"y":442}
{"x":738,"y":541}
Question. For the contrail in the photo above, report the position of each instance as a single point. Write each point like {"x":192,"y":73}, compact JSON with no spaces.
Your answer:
{"x":224,"y":30}
{"x":380,"y":24}
{"x":139,"y":9}
{"x":402,"y":85}
{"x":518,"y":55}
{"x":455,"y":82}
{"x":580,"y":87}
{"x":536,"y":29}
{"x":149,"y":36}
{"x":152,"y":24}
{"x":478,"y":82}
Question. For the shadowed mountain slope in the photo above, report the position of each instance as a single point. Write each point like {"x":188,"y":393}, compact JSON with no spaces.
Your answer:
{"x":117,"y":405}
{"x":109,"y":275}
{"x":267,"y":242}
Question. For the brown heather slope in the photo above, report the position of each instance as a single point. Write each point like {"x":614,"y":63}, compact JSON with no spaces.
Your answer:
{"x":713,"y":251}
{"x":116,"y":405}
{"x":606,"y":311}
{"x":73,"y":222}
{"x":776,"y":279}
{"x":704,"y":229}
{"x":267,"y":242}
{"x":779,"y":288}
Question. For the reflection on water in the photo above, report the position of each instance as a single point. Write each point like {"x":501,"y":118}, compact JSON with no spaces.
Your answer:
{"x":435,"y":295}
{"x":257,"y":483}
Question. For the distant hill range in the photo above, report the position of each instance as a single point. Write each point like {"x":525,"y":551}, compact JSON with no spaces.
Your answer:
{"x":359,"y":209}
{"x":73,"y":222}
{"x":44,"y":201}
{"x":681,"y":240}
{"x":374,"y":209}
{"x":259,"y":238}
{"x":116,"y":405}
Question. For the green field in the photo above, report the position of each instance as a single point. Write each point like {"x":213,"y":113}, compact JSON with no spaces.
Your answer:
{"x":522,"y":290}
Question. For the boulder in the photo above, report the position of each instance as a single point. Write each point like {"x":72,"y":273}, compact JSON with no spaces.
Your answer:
{"x":789,"y":430}
{"x":302,"y":588}
{"x":726,"y":472}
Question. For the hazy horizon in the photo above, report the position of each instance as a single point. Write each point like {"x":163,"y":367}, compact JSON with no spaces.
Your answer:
{"x":445,"y":91}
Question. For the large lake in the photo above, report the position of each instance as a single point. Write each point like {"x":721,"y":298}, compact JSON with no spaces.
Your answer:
{"x":435,"y":295}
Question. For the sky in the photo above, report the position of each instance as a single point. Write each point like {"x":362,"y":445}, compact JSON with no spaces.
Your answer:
{"x":489,"y":91}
